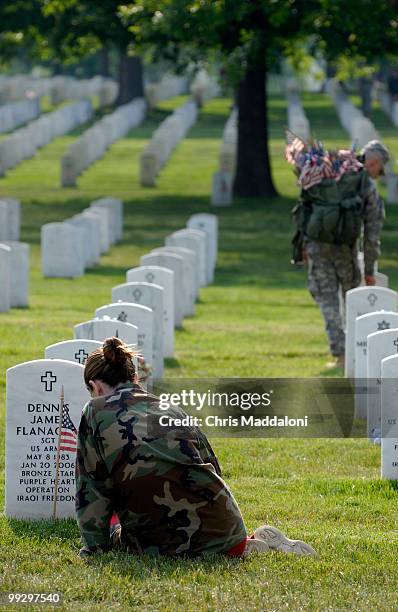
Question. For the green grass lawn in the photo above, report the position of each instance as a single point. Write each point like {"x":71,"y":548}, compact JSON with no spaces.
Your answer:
{"x":256,"y":320}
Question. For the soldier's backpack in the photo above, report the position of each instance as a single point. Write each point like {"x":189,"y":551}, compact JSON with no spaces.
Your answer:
{"x":332,"y":211}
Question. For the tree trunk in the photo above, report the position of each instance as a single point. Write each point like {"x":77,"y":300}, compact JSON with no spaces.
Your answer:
{"x":103,"y":62}
{"x":131,"y":83}
{"x":253,"y":171}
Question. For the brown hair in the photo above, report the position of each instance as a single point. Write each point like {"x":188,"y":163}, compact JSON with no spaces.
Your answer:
{"x":112,"y":363}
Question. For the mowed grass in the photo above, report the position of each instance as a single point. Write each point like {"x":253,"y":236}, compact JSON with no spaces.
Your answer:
{"x":256,"y":320}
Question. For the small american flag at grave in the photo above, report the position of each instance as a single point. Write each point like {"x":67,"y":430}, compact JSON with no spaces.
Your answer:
{"x":68,"y":439}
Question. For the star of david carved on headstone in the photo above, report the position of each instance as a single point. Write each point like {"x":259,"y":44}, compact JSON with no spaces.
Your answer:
{"x":81,"y":356}
{"x":150,"y":277}
{"x":383,"y":325}
{"x":137,"y":294}
{"x":122,"y":317}
{"x":48,"y":379}
{"x":372,"y":299}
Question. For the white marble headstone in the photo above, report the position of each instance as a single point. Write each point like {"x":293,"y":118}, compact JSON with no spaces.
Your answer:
{"x":33,"y":407}
{"x":10,"y":228}
{"x":175,"y":263}
{"x":195,"y":240}
{"x":381,"y":344}
{"x":92,"y":243}
{"x":5,"y":276}
{"x":4,"y":233}
{"x":164,"y":278}
{"x":189,"y":274}
{"x":72,"y":350}
{"x":61,"y":250}
{"x":19,"y":273}
{"x":209,"y":224}
{"x":364,"y":325}
{"x":389,"y":417}
{"x":360,"y":301}
{"x":222,"y":185}
{"x":101,"y":218}
{"x":140,"y":317}
{"x":381,"y":279}
{"x":190,"y":244}
{"x":116,"y":208}
{"x":110,"y":221}
{"x":152,"y":296}
{"x":101,"y":328}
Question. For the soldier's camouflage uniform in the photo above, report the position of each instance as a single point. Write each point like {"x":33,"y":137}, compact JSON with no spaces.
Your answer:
{"x":165,"y":486}
{"x":332,"y":268}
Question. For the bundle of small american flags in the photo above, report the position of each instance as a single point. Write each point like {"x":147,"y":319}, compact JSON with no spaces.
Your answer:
{"x":313,"y":163}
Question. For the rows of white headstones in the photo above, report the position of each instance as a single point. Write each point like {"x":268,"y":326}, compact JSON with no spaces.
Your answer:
{"x":359,"y":127}
{"x":71,"y":246}
{"x":14,"y":114}
{"x":362,"y":130}
{"x":164,"y":139}
{"x":222,"y":182}
{"x":59,"y":88}
{"x":69,"y":88}
{"x":23,"y":143}
{"x":144,"y":312}
{"x":93,"y":143}
{"x":371,"y":359}
{"x":389,"y":106}
{"x":18,"y":87}
{"x":168,"y":86}
{"x":14,"y":258}
{"x":296,"y":117}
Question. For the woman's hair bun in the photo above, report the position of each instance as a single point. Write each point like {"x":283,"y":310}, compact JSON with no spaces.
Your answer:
{"x":116,"y":351}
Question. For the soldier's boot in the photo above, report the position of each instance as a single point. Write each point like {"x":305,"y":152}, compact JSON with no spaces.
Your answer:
{"x":276,"y":540}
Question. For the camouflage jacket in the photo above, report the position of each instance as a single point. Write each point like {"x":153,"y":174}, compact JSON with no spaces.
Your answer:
{"x":165,"y":486}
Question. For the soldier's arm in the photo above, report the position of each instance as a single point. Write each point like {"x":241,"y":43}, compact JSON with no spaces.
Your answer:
{"x":373,"y":220}
{"x":93,"y":499}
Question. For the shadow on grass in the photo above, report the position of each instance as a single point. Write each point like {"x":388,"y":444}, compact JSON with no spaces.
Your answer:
{"x":106,"y":270}
{"x":128,"y":565}
{"x":122,"y":562}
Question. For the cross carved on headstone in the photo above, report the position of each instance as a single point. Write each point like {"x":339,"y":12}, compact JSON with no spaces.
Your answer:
{"x":372,"y":299}
{"x":81,"y":356}
{"x":48,"y":379}
{"x":396,"y":344}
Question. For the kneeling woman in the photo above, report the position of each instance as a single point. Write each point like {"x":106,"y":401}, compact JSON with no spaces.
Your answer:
{"x":163,"y":484}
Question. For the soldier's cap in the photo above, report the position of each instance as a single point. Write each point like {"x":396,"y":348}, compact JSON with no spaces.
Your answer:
{"x":377,"y":149}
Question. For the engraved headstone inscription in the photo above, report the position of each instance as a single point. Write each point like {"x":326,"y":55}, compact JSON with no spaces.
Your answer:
{"x":33,"y":392}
